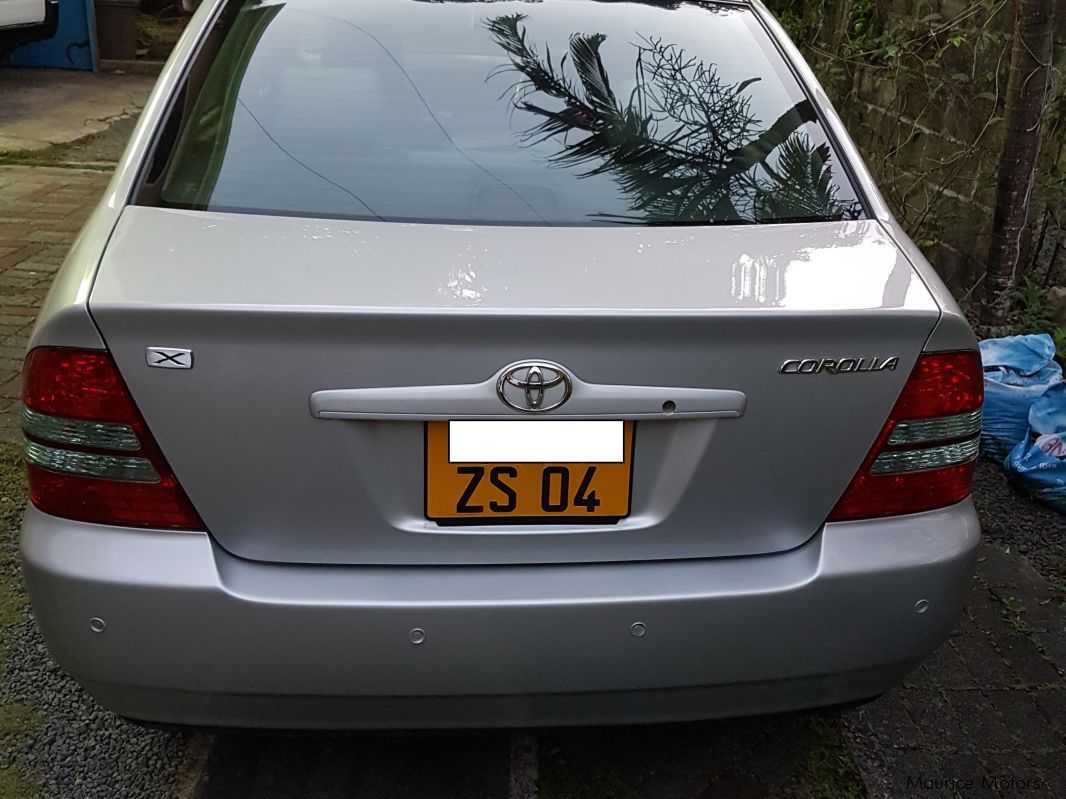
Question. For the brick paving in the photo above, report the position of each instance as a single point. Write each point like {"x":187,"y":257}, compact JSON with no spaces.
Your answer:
{"x":41,"y":210}
{"x":984,"y":717}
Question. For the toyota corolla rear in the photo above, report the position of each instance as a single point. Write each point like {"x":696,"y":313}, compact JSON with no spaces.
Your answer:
{"x":461,"y":364}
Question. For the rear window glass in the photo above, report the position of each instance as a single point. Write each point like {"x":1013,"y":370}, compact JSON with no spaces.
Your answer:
{"x":566,"y":112}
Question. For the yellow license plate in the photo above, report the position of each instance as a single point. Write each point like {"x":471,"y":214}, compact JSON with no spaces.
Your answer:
{"x":524,"y":492}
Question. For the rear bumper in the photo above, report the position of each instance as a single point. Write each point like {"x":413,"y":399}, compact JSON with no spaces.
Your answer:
{"x":196,"y":636}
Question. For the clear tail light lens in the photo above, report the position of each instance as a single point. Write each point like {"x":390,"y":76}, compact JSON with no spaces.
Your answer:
{"x":89,"y":453}
{"x":923,"y":458}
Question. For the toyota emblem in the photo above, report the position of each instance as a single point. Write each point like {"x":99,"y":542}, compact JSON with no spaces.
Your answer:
{"x":534,"y":386}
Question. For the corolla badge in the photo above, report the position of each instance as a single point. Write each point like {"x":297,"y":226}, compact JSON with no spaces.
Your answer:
{"x":838,"y":366}
{"x":534,"y":386}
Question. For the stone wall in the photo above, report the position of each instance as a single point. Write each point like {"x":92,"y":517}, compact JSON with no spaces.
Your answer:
{"x":927,"y":117}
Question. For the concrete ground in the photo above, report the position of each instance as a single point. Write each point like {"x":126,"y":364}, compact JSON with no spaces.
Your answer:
{"x":984,"y":717}
{"x":79,"y":104}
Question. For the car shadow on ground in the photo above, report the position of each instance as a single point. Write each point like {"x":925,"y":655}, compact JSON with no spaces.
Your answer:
{"x":329,"y":767}
{"x":801,"y":755}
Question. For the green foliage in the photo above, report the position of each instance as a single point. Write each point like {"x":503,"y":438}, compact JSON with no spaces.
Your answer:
{"x":802,"y":19}
{"x":868,"y":33}
{"x":1030,"y":299}
{"x":942,"y":59}
{"x":921,"y":85}
{"x":158,"y":35}
{"x":1032,"y":314}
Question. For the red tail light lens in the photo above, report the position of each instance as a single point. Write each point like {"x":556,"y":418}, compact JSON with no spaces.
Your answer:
{"x":89,"y":452}
{"x":80,"y":384}
{"x":942,"y":384}
{"x":923,"y":459}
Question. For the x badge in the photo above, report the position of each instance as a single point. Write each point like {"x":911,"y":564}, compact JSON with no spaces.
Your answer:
{"x":169,"y":358}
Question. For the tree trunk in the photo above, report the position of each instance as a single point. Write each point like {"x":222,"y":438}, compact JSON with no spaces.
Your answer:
{"x":1027,"y":93}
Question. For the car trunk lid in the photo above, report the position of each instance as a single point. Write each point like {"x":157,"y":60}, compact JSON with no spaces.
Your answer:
{"x":815,"y":326}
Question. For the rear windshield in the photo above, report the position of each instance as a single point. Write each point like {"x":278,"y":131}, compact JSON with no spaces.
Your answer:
{"x":566,"y":112}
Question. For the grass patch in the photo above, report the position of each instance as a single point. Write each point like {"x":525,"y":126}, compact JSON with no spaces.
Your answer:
{"x":14,"y":785}
{"x":15,"y":718}
{"x":12,"y":482}
{"x":12,"y":601}
{"x":36,"y":159}
{"x":562,"y":780}
{"x":12,"y":499}
{"x":828,"y":772}
{"x":53,"y":155}
{"x":12,"y":496}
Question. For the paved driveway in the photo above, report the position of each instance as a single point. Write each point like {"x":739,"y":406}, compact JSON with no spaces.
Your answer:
{"x":986,"y":716}
{"x":41,"y":210}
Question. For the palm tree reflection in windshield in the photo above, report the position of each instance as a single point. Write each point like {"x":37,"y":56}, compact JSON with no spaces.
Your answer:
{"x":685,"y":148}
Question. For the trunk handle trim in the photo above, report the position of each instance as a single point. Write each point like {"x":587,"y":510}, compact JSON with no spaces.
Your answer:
{"x":474,"y":401}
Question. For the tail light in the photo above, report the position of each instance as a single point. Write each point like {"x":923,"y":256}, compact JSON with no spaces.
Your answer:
{"x":89,"y":453}
{"x":923,"y":458}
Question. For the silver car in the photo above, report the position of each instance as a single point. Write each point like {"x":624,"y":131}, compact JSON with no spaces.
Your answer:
{"x":456,"y":364}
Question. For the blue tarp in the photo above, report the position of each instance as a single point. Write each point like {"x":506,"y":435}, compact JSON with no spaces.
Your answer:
{"x":1018,"y":369}
{"x":1038,"y":462}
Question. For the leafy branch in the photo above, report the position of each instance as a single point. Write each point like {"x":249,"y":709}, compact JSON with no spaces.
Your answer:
{"x":683,"y":147}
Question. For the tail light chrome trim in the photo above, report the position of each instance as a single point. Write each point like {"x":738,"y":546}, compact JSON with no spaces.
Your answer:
{"x":80,"y":433}
{"x":945,"y":428}
{"x":918,"y":460}
{"x":90,"y":464}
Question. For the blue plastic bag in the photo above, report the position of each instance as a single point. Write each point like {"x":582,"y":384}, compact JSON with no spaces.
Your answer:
{"x":1038,"y":462}
{"x":1018,"y":369}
